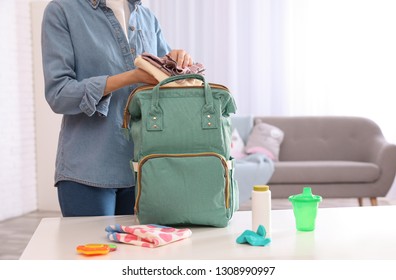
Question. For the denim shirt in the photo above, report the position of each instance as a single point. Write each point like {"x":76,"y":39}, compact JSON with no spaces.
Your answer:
{"x":82,"y":45}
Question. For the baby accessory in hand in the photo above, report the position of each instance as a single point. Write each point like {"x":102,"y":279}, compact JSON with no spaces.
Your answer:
{"x":150,"y":236}
{"x":164,"y":67}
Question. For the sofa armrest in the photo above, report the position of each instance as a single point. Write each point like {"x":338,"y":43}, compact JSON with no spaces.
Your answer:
{"x":383,"y":154}
{"x":380,"y":150}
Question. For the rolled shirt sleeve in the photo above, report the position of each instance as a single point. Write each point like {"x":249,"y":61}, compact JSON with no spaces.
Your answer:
{"x":92,"y":100}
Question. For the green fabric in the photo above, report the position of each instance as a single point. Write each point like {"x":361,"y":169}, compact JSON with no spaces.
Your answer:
{"x":184,"y":189}
{"x":181,"y":119}
{"x":188,"y":188}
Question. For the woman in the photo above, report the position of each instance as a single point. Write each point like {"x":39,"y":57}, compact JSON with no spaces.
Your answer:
{"x":88,"y":49}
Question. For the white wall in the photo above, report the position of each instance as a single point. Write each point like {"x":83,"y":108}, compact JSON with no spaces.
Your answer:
{"x":47,"y":123}
{"x":29,"y":128}
{"x":17,"y":153}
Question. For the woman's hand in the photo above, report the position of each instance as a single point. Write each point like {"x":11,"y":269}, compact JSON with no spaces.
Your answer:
{"x":128,"y":78}
{"x":182,"y":58}
{"x":141,"y":76}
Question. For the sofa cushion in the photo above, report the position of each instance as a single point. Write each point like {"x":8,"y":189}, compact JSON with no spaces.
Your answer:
{"x":243,"y":124}
{"x":265,"y":139}
{"x":308,"y":172}
{"x":237,"y":145}
{"x":252,"y":170}
{"x":316,"y":138}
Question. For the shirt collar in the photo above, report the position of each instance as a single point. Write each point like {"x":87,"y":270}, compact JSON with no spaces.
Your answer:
{"x":95,"y":3}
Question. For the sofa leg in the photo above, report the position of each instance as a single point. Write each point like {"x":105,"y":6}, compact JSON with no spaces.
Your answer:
{"x":360,"y":201}
{"x":374,"y":201}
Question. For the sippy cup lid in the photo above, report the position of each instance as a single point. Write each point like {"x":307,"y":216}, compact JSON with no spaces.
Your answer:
{"x":306,"y":196}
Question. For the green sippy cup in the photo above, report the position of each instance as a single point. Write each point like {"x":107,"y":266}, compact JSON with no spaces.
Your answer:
{"x":305,"y":206}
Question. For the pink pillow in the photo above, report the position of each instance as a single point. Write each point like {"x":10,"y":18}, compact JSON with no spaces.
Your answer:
{"x":266,"y":139}
{"x":260,"y":150}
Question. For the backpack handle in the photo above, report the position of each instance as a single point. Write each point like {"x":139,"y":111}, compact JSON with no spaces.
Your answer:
{"x":208,"y":92}
{"x":181,"y":77}
{"x":155,"y":121}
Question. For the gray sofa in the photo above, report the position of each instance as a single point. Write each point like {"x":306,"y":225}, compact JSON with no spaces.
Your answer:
{"x":338,"y":157}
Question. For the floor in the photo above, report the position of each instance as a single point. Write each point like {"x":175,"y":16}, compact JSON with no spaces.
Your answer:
{"x":15,"y":233}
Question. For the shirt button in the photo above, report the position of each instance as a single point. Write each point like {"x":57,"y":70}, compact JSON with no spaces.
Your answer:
{"x":132,"y":28}
{"x":132,"y":51}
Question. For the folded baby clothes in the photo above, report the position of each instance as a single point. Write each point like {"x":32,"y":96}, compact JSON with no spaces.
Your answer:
{"x":150,"y":236}
{"x":169,"y":66}
{"x":164,"y":67}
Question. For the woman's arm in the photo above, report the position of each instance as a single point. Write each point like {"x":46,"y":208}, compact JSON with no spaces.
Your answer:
{"x":127,"y":78}
{"x":140,"y":76}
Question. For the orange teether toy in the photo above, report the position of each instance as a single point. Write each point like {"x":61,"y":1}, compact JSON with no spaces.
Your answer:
{"x":93,"y":249}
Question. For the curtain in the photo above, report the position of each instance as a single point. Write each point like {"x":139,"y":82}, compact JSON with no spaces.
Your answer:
{"x":341,"y":58}
{"x":231,"y":38}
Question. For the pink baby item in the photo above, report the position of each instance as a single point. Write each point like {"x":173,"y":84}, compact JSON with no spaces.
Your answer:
{"x":162,"y":68}
{"x":150,"y":236}
{"x":169,"y":66}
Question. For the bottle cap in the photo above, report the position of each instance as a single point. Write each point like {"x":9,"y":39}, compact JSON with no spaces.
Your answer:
{"x":261,"y":188}
{"x":306,"y":196}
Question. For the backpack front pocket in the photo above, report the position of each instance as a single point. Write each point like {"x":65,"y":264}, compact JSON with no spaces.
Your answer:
{"x":184,"y":189}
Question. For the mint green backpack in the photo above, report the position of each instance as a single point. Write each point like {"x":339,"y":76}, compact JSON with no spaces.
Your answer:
{"x":182,"y":141}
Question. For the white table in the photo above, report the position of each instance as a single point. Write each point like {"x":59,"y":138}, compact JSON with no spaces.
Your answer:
{"x":341,"y":233}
